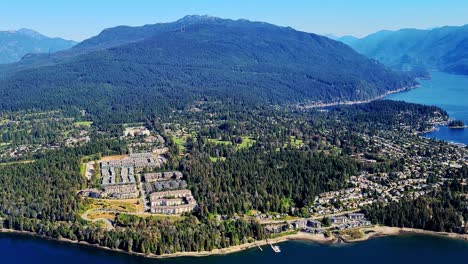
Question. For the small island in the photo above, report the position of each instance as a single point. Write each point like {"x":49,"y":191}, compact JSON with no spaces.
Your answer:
{"x":456,"y":124}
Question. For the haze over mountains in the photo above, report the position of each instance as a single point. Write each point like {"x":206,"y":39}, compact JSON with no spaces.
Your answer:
{"x":16,"y":44}
{"x":444,"y":49}
{"x":195,"y":58}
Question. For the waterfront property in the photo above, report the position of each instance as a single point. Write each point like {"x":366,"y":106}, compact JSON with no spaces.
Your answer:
{"x":310,"y":225}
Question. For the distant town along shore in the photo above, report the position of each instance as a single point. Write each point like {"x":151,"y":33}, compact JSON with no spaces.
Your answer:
{"x":457,"y":124}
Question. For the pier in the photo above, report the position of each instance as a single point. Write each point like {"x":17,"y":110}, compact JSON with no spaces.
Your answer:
{"x":275,"y":248}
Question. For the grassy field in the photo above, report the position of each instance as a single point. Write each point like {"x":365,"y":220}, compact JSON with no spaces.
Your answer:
{"x":127,"y":205}
{"x":106,"y":215}
{"x":252,"y":212}
{"x":114,"y":157}
{"x":181,"y":141}
{"x":83,"y":123}
{"x":287,"y":233}
{"x":247,"y":142}
{"x":219,"y":142}
{"x":83,"y":169}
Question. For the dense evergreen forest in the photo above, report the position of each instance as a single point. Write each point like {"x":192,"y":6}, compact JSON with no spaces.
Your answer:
{"x":267,"y":181}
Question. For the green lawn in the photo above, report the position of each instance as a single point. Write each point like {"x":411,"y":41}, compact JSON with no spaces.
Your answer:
{"x":219,"y":142}
{"x":247,"y":142}
{"x":180,"y":141}
{"x":84,"y":123}
{"x":83,"y":169}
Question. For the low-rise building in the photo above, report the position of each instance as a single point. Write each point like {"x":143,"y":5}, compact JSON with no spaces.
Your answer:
{"x":172,"y":202}
{"x":356,"y":216}
{"x":338,"y":220}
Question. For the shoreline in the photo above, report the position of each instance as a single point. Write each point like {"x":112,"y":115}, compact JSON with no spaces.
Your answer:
{"x":383,"y":231}
{"x":321,"y":105}
{"x":373,"y":232}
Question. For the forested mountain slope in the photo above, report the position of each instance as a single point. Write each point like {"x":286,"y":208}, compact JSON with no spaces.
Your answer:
{"x":166,"y":66}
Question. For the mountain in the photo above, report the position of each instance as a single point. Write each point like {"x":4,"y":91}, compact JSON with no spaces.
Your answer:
{"x":331,"y":36}
{"x":348,"y":40}
{"x":167,"y":66}
{"x":444,"y":49}
{"x":16,"y":44}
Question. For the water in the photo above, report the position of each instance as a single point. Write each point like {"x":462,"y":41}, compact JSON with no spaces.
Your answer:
{"x":20,"y":249}
{"x":447,"y":91}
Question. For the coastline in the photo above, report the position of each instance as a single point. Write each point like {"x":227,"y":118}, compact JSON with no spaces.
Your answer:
{"x":317,"y":238}
{"x":382,"y":231}
{"x":321,"y":105}
{"x":370,"y":233}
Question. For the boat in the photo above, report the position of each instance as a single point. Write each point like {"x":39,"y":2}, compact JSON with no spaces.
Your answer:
{"x":276,"y":249}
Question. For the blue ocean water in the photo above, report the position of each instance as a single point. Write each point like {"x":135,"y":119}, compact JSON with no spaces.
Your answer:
{"x":413,"y":249}
{"x":447,"y":91}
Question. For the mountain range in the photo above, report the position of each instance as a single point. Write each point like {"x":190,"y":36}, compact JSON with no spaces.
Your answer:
{"x":444,"y":49}
{"x":16,"y":44}
{"x":169,"y":65}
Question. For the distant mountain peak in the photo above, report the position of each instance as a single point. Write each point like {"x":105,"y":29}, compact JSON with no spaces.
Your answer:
{"x":28,"y":43}
{"x":29,"y":32}
{"x":198,"y":18}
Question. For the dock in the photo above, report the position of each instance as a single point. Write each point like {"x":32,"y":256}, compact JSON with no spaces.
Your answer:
{"x":259,"y":247}
{"x":275,"y":248}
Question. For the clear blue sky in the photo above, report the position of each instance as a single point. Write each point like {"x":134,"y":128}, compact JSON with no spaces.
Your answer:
{"x":81,"y":19}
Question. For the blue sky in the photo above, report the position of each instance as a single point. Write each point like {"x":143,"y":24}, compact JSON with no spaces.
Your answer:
{"x":81,"y":19}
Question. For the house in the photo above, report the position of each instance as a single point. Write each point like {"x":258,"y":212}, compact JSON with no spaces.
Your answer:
{"x":314,"y":223}
{"x":299,"y":224}
{"x":338,"y":220}
{"x":356,"y":216}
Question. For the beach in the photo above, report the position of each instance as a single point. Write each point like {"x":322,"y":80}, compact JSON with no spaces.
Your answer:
{"x":379,"y":231}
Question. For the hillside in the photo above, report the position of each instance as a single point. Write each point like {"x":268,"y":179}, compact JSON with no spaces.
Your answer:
{"x":160,"y":66}
{"x":444,"y":49}
{"x":16,"y":44}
